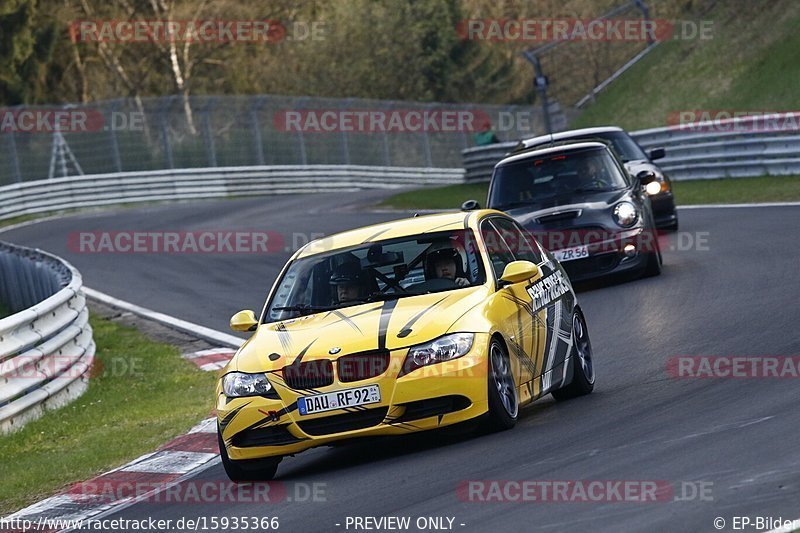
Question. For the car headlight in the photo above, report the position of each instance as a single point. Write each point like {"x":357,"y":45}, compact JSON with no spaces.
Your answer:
{"x":444,"y":348}
{"x":625,"y":214}
{"x":239,"y":384}
{"x":653,"y":188}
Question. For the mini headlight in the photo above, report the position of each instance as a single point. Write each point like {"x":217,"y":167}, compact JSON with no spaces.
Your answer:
{"x":654,"y":187}
{"x":625,"y":214}
{"x":239,"y":384}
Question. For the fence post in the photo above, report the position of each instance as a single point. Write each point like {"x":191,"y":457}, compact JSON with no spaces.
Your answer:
{"x":13,"y":159}
{"x":255,"y":107}
{"x":300,"y":138}
{"x":345,"y":143}
{"x":426,"y":142}
{"x":113,"y":133}
{"x":207,"y":134}
{"x":162,"y":121}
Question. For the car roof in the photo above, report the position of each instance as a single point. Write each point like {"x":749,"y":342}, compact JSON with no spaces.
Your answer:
{"x":418,"y":225}
{"x":552,"y":150}
{"x":563,"y":135}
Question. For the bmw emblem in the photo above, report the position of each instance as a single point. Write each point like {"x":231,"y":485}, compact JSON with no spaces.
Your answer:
{"x":334,"y":350}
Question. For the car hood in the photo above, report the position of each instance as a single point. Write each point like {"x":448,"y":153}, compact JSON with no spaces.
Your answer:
{"x":586,"y":203}
{"x":391,"y":324}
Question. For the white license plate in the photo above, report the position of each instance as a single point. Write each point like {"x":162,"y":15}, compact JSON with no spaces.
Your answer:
{"x":570,"y":254}
{"x":329,"y":401}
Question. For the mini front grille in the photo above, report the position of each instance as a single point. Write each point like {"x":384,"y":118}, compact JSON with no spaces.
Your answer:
{"x":363,"y":365}
{"x":327,"y":425}
{"x":309,"y":375}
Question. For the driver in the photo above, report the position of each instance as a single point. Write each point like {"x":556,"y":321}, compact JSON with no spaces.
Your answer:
{"x":592,"y":173}
{"x":350,"y":282}
{"x":444,"y":264}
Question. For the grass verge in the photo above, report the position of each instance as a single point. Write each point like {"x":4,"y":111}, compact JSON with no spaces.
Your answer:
{"x":144,"y":395}
{"x":748,"y":63}
{"x":720,"y":191}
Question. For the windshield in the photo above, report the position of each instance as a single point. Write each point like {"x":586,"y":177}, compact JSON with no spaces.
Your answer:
{"x":536,"y":179}
{"x":623,"y":145}
{"x":378,"y":271}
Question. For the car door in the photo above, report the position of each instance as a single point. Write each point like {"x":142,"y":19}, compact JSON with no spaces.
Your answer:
{"x":551,"y":300}
{"x":512,"y":310}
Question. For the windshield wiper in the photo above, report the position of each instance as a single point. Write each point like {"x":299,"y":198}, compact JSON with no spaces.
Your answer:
{"x":304,"y":307}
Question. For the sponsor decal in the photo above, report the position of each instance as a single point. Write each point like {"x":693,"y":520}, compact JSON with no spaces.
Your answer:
{"x":548,"y":289}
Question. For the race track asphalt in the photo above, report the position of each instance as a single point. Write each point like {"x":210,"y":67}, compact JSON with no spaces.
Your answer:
{"x":734,"y":294}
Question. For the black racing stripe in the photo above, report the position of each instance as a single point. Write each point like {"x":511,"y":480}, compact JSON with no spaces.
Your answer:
{"x":346,"y":318}
{"x":303,"y":352}
{"x":419,"y":315}
{"x":230,"y":416}
{"x":383,"y":325}
{"x":431,"y":230}
{"x":381,"y":232}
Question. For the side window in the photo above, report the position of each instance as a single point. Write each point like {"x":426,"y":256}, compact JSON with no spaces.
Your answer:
{"x":520,"y":241}
{"x":499,"y":253}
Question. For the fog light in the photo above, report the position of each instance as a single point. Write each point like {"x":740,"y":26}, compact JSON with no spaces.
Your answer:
{"x":630,"y":250}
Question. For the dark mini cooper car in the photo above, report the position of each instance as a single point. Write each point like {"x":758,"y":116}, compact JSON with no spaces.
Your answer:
{"x":632,"y":156}
{"x":582,"y":205}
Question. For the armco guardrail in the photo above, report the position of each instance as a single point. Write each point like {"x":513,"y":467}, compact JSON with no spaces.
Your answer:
{"x":127,"y":187}
{"x":734,"y":148}
{"x":46,"y":346}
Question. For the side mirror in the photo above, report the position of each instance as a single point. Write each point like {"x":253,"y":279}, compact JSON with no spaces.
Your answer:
{"x":518,"y":271}
{"x":244,"y":321}
{"x":645,"y":177}
{"x":470,"y":205}
{"x":656,"y":153}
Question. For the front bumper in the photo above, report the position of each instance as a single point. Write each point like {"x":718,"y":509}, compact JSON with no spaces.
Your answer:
{"x":427,"y":398}
{"x":664,"y":213}
{"x":607,"y":257}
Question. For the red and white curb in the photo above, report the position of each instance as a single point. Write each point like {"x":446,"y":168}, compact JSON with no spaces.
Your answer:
{"x":174,"y":462}
{"x":211,"y":360}
{"x":141,"y":479}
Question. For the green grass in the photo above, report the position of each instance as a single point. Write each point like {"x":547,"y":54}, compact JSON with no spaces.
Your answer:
{"x":720,"y":191}
{"x":145,"y":395}
{"x":750,"y":63}
{"x":4,"y":311}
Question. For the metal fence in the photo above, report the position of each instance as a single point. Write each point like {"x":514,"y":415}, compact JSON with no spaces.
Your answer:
{"x":728,"y":148}
{"x":128,"y":187}
{"x":129,"y":135}
{"x":46,"y":346}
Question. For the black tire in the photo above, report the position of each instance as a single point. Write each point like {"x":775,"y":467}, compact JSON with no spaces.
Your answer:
{"x":653,"y":265}
{"x":582,"y":380}
{"x":503,"y":396}
{"x":247,"y":471}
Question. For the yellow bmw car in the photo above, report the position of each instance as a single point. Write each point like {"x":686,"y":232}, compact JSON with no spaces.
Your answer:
{"x":400,"y":327}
